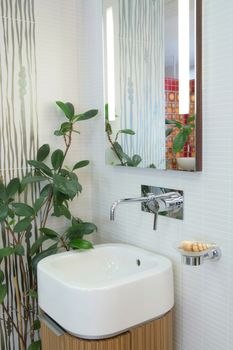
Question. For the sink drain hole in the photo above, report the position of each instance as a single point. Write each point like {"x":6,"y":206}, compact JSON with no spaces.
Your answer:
{"x":138,"y":262}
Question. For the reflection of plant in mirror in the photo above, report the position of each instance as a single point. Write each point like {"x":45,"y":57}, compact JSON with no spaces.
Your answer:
{"x":124,"y":159}
{"x":184,"y":131}
{"x":24,"y":230}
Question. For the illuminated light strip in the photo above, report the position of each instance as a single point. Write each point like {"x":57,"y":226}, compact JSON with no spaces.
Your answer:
{"x":184,"y":56}
{"x":110,"y":64}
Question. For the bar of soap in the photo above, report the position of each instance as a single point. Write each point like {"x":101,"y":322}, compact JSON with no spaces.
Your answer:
{"x":192,"y":246}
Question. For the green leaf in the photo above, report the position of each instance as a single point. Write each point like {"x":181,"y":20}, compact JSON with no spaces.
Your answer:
{"x":66,"y":127}
{"x":37,"y":244}
{"x":4,"y":211}
{"x":173,"y":122}
{"x":57,"y":159}
{"x":136,"y":160}
{"x":169,"y":121}
{"x":108,"y":128}
{"x":78,"y":230}
{"x":32,"y":179}
{"x":49,"y":233}
{"x":19,"y":250}
{"x":81,"y":164}
{"x":3,"y":193}
{"x":59,"y":198}
{"x":13,"y":187}
{"x":4,"y":252}
{"x":46,"y":191}
{"x":36,"y":345}
{"x":36,"y":325}
{"x":58,"y":133}
{"x":61,"y":210}
{"x":64,"y":172}
{"x":74,"y":178}
{"x":87,"y":115}
{"x":3,"y":292}
{"x":187,"y":129}
{"x":106,"y":111}
{"x":33,"y":294}
{"x":127,"y":131}
{"x":119,"y":149}
{"x":191,"y":119}
{"x":1,"y":276}
{"x":39,"y":203}
{"x":40,"y":166}
{"x":67,"y":108}
{"x":43,"y":153}
{"x":169,"y":131}
{"x":69,"y":187}
{"x":22,"y":225}
{"x":71,"y":108}
{"x":22,"y":209}
{"x":50,"y":251}
{"x":179,"y":142}
{"x":79,"y":243}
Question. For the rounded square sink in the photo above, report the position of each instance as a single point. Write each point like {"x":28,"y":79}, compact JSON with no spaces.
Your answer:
{"x":104,"y":291}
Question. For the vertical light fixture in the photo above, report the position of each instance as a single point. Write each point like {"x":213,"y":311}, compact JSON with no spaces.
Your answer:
{"x":110,"y":63}
{"x":184,"y":56}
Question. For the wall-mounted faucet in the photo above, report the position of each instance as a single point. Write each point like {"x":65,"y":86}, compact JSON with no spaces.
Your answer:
{"x":164,"y":202}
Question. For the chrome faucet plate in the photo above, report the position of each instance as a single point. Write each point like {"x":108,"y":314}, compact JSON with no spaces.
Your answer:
{"x":175,"y":213}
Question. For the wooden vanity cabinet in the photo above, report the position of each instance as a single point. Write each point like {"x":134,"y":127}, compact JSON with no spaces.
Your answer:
{"x":154,"y":335}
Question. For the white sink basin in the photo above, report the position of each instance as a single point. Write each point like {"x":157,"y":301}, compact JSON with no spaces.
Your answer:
{"x":104,"y":291}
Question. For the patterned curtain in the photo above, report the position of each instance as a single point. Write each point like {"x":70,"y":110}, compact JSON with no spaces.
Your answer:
{"x":141,"y":78}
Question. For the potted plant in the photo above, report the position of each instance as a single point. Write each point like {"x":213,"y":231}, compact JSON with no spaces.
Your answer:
{"x":25,"y":227}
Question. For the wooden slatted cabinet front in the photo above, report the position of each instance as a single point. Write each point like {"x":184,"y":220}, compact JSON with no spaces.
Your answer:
{"x":154,"y":335}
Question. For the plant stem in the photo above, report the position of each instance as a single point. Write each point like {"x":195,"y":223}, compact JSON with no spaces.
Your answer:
{"x":19,"y":308}
{"x":68,"y":144}
{"x":11,"y":232}
{"x":14,"y":325}
{"x":47,"y":209}
{"x":114,"y":148}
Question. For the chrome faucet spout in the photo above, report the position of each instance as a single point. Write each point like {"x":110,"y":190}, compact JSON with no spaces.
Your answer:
{"x":127,"y":200}
{"x":156,"y":203}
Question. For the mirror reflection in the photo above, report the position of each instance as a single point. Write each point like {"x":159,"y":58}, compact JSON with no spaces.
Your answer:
{"x":150,"y":83}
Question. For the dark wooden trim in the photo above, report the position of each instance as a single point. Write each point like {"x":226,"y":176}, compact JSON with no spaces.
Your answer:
{"x":199,"y":122}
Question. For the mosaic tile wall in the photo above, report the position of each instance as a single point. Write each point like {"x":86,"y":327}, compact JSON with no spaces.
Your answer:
{"x":172,"y":113}
{"x":204,"y":301}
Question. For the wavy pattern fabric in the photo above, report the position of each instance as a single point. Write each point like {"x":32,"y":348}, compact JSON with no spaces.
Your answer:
{"x":141,"y":85}
{"x":18,"y":123}
{"x":18,"y":86}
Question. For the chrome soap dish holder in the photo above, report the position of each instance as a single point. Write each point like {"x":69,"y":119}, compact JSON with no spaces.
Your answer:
{"x":197,"y":258}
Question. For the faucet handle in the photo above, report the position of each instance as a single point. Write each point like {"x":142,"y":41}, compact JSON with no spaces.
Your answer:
{"x":155,"y":221}
{"x":166,"y":202}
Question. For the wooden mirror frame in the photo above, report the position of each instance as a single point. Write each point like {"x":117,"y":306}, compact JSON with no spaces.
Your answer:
{"x":199,"y":123}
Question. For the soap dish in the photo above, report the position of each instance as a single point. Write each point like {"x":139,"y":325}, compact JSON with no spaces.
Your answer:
{"x":196,"y":258}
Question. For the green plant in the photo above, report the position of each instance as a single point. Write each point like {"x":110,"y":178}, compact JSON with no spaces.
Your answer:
{"x":25,"y":227}
{"x":184,"y":131}
{"x":124,"y":159}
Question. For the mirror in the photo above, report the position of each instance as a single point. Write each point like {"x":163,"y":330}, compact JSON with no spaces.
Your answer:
{"x":152,"y":80}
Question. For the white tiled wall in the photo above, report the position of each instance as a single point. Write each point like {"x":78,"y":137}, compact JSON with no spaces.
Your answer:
{"x":70,"y":67}
{"x":60,"y":43}
{"x":204,"y":298}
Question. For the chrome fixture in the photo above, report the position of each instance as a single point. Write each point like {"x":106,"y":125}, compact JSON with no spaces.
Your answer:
{"x":164,"y":202}
{"x":196,"y":259}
